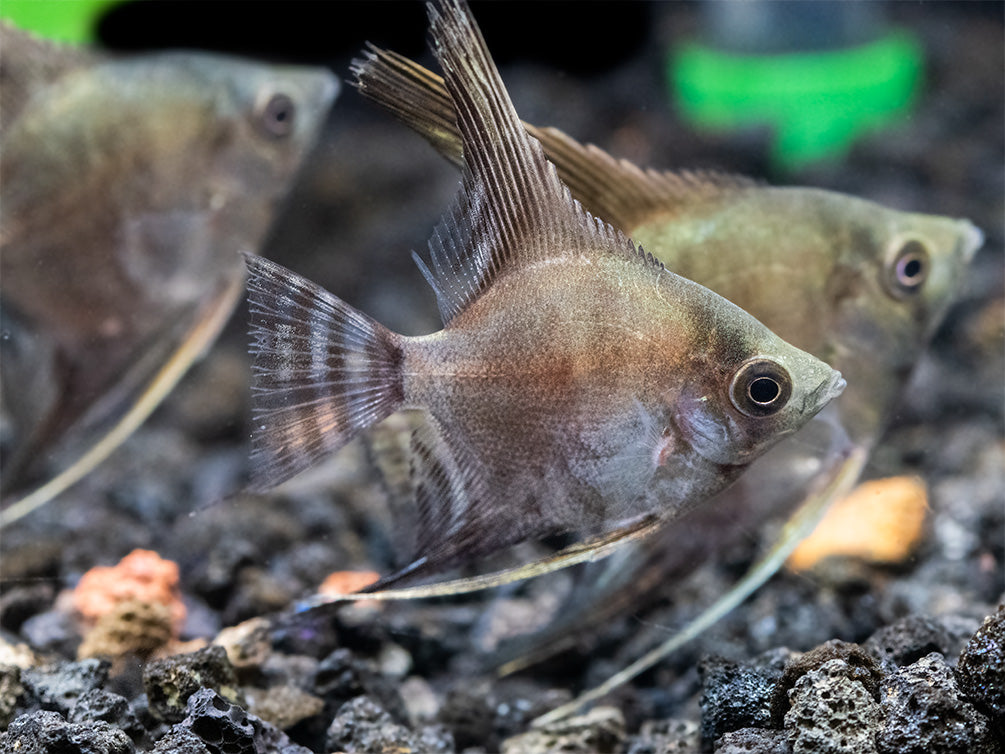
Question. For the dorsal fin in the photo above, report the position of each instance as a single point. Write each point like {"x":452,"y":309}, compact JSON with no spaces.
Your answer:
{"x":512,"y":210}
{"x":617,"y":191}
{"x":621,"y":192}
{"x":414,"y":95}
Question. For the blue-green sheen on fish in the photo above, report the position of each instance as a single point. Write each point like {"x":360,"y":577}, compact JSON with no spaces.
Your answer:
{"x":577,"y":384}
{"x":129,"y":187}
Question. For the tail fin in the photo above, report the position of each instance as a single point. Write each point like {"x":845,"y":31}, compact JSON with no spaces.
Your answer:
{"x":321,"y":372}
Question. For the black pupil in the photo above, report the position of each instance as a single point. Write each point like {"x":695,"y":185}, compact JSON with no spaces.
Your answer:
{"x":910,"y":269}
{"x":763,"y":390}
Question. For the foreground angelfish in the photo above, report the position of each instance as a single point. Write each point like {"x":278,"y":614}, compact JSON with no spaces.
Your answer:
{"x":857,"y":284}
{"x":129,"y":187}
{"x":577,"y":384}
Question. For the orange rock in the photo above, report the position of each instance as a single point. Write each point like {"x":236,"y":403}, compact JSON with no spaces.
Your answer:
{"x":880,"y":521}
{"x":142,"y":576}
{"x":347,"y":582}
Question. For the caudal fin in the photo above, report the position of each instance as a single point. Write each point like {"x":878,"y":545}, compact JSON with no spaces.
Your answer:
{"x":321,"y":372}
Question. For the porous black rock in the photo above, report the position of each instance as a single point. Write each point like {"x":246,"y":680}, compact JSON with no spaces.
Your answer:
{"x":99,"y":705}
{"x":753,"y":741}
{"x":981,"y":669}
{"x":48,"y":732}
{"x":832,"y":712}
{"x":170,"y":682}
{"x":860,"y":666}
{"x":364,"y":727}
{"x":181,"y":741}
{"x":926,"y":714}
{"x":908,"y":640}
{"x":226,"y":728}
{"x":58,"y":688}
{"x":735,"y":696}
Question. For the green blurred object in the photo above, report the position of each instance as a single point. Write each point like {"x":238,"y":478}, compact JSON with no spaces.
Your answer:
{"x":61,"y":20}
{"x":817,"y":102}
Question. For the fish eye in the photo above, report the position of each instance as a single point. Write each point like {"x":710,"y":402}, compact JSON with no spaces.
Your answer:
{"x":275,"y":115}
{"x":907,"y":268}
{"x":760,"y":387}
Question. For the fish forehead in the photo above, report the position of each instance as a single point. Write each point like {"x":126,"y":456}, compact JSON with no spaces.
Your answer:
{"x":796,"y":257}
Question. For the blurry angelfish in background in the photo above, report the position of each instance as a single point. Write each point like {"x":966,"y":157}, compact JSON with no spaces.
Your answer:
{"x":858,"y":285}
{"x":129,"y":187}
{"x":577,"y":385}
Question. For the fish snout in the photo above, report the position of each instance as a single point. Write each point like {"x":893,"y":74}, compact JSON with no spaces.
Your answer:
{"x":972,"y":239}
{"x":825,"y":392}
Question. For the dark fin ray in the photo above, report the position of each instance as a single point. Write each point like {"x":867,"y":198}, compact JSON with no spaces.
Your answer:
{"x":452,"y":518}
{"x":616,"y":191}
{"x":512,"y":210}
{"x":322,"y":372}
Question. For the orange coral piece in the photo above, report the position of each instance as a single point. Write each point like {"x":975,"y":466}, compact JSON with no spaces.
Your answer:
{"x":142,"y":575}
{"x":879,"y":521}
{"x":347,"y":582}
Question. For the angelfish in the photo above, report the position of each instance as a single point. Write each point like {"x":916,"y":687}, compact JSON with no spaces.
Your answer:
{"x":129,"y":187}
{"x":577,"y":384}
{"x":859,"y":285}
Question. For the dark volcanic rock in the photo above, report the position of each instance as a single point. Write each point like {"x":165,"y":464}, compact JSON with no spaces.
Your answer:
{"x":734,"y":696}
{"x":181,"y":741}
{"x":98,"y":705}
{"x":47,"y":732}
{"x":753,"y":741}
{"x":60,"y":687}
{"x":860,"y":666}
{"x":170,"y":682}
{"x":925,"y":713}
{"x":363,"y":727}
{"x":832,"y":712}
{"x":908,"y":640}
{"x":225,"y":728}
{"x":981,"y":670}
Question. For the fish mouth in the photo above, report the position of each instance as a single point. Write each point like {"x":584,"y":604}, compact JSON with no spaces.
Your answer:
{"x":827,"y":391}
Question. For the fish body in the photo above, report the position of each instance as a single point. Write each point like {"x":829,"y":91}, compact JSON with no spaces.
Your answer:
{"x":129,"y":186}
{"x":826,"y":271}
{"x":576,"y":385}
{"x":859,"y":285}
